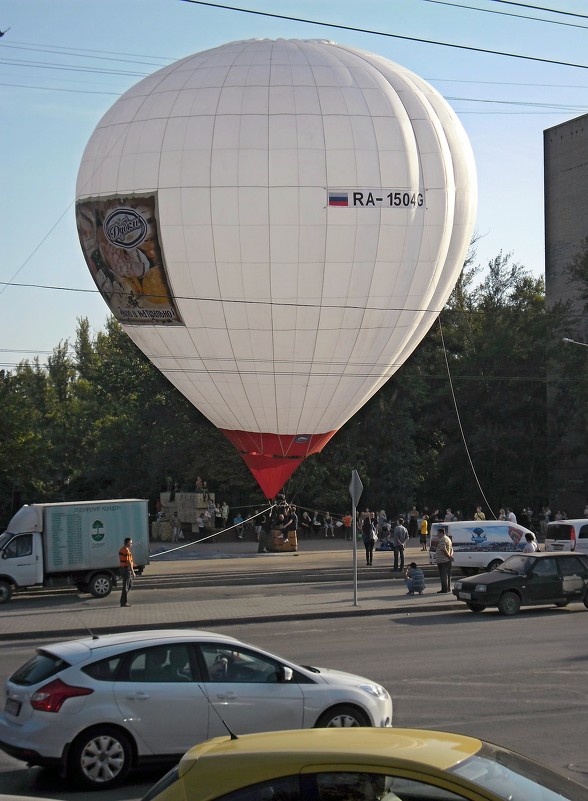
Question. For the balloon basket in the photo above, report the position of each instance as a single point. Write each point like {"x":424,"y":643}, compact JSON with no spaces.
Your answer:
{"x":279,"y":544}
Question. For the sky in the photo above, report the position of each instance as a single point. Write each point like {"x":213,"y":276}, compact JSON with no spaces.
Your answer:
{"x":63,"y":63}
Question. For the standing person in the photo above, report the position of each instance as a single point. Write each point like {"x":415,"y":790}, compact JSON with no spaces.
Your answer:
{"x":348,"y":527}
{"x":176,"y":528}
{"x":257,"y":527}
{"x":225,"y":514}
{"x":382,"y":518}
{"x":413,"y":522}
{"x":530,"y":545}
{"x":290,"y":524}
{"x":265,"y":535}
{"x":399,"y":539}
{"x":424,"y":530}
{"x":201,"y":525}
{"x":479,"y":514}
{"x":368,"y":536}
{"x":443,"y":560}
{"x":329,"y":525}
{"x":218,"y":517}
{"x":126,"y":569}
{"x":415,"y":579}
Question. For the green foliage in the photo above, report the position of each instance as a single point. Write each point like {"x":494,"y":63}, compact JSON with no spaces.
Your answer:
{"x":462,"y":421}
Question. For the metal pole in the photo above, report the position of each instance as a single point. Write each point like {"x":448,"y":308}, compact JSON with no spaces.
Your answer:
{"x":355,"y":490}
{"x":354,"y":529}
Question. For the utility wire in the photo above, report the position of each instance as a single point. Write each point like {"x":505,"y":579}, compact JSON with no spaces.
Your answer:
{"x":371,"y":32}
{"x":541,"y":8}
{"x":465,"y":444}
{"x":508,"y":14}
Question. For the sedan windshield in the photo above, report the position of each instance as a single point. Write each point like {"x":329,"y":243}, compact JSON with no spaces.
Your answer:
{"x":516,"y":778}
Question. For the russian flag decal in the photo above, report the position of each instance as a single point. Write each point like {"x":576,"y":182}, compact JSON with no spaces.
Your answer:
{"x":338,"y":198}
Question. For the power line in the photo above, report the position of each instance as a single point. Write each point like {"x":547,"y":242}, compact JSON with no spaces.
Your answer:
{"x":371,"y":32}
{"x":508,"y":14}
{"x":541,"y":8}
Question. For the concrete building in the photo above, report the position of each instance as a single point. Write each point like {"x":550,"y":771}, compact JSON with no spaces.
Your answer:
{"x":565,"y":150}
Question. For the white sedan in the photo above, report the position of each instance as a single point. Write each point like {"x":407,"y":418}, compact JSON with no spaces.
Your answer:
{"x":97,"y":707}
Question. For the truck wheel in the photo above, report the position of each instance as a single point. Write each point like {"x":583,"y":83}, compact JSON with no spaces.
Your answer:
{"x":100,"y":585}
{"x":100,"y":757}
{"x":494,"y":564}
{"x":509,"y":603}
{"x":5,"y":592}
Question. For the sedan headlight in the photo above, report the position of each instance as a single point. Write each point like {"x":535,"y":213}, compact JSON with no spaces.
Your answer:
{"x":480,"y":588}
{"x":374,"y":689}
{"x":457,"y":585}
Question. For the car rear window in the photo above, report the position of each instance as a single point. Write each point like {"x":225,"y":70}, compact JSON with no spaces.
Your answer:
{"x":41,"y":667}
{"x":561,"y":531}
{"x":105,"y":669}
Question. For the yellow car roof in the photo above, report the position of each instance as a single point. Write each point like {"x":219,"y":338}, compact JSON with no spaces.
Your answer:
{"x":223,"y":764}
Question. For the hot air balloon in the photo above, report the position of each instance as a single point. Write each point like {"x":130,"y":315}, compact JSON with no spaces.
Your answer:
{"x":276,"y":224}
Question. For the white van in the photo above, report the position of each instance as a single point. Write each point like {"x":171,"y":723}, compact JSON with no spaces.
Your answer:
{"x":480,"y":545}
{"x":567,"y":535}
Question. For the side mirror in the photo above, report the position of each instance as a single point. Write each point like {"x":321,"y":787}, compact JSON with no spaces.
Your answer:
{"x":285,"y":673}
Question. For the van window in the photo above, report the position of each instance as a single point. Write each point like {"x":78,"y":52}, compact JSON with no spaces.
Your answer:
{"x":583,"y":533}
{"x":561,"y":531}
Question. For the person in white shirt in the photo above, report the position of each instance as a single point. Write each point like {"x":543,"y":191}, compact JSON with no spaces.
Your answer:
{"x":531,"y":545}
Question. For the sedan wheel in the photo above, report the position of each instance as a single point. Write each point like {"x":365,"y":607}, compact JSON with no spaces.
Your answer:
{"x":100,"y":757}
{"x":476,"y":607}
{"x":342,"y":717}
{"x":494,"y":564}
{"x":509,"y":603}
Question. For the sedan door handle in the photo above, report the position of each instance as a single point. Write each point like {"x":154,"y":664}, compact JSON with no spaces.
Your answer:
{"x":226,"y":696}
{"x":140,"y":696}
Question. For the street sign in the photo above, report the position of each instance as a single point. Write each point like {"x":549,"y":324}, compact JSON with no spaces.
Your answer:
{"x":356,"y":487}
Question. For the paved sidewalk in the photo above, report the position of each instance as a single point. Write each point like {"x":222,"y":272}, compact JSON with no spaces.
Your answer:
{"x":71,"y":615}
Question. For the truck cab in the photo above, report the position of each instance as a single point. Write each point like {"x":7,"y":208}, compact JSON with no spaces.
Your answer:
{"x":21,"y":562}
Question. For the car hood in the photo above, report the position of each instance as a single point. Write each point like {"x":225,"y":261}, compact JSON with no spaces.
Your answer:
{"x":330,"y":676}
{"x":494,"y":577}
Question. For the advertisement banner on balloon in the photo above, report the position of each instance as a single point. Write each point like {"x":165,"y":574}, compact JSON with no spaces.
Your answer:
{"x":120,"y":242}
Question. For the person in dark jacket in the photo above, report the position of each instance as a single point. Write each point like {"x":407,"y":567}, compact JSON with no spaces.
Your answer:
{"x":368,"y":532}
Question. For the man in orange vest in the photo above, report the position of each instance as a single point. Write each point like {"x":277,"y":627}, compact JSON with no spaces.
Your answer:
{"x":347,"y":524}
{"x":127,"y":570}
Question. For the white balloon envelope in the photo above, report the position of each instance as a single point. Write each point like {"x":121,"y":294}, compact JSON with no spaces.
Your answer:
{"x":276,"y":224}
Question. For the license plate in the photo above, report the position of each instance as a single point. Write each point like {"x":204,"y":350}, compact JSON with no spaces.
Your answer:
{"x":12,"y":707}
{"x":467,"y":596}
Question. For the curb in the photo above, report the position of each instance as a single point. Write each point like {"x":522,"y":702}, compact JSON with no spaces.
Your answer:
{"x":211,"y":623}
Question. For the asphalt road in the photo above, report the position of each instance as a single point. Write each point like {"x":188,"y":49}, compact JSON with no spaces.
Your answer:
{"x":517,"y":681}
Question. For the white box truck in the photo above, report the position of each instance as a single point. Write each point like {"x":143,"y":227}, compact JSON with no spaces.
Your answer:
{"x":77,"y":543}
